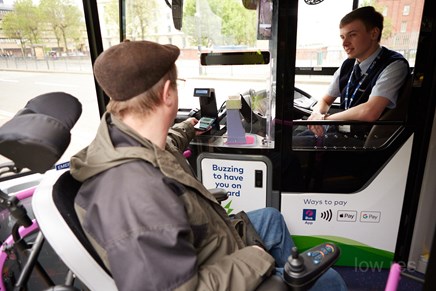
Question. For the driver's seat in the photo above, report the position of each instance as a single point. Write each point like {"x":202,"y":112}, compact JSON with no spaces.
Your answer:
{"x":380,"y":134}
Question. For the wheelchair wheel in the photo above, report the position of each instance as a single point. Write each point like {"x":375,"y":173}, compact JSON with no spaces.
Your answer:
{"x":12,"y":263}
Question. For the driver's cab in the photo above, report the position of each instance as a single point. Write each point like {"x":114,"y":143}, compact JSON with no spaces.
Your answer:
{"x":275,"y":87}
{"x":252,"y":72}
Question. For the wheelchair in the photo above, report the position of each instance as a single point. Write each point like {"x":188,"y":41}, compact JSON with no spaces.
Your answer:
{"x":35,"y":138}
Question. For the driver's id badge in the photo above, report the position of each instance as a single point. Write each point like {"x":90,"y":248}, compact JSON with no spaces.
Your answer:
{"x":344,"y":128}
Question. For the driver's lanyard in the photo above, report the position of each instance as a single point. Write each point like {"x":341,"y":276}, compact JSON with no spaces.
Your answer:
{"x":348,"y":101}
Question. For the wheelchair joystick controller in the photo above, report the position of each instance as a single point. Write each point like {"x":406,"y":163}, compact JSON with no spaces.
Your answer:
{"x":302,"y":270}
{"x":296,"y":263}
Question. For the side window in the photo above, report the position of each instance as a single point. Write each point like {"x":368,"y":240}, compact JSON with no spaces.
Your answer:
{"x":402,"y":27}
{"x":318,"y":43}
{"x":406,"y":10}
{"x":44,"y":48}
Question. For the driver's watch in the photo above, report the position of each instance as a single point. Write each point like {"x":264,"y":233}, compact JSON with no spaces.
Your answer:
{"x":323,"y":116}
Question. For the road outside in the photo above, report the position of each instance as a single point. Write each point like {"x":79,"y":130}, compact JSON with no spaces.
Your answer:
{"x":23,"y":80}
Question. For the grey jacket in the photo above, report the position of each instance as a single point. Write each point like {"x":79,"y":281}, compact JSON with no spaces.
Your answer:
{"x":153,"y":223}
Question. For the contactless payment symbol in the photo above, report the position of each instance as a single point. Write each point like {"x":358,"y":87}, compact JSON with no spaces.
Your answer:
{"x":327,"y":215}
{"x":309,"y":214}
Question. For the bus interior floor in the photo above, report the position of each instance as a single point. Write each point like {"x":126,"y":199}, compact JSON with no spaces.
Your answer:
{"x":375,"y":280}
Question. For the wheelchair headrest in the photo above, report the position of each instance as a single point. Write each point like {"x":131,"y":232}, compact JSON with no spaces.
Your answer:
{"x":38,"y":135}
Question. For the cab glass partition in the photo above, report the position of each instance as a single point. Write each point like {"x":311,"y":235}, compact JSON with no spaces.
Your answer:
{"x":243,"y":115}
{"x":226,"y":52}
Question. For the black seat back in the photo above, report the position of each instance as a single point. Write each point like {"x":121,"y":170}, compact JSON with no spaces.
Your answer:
{"x":38,"y":135}
{"x":64,"y":192}
{"x":379,"y":134}
{"x":400,"y":110}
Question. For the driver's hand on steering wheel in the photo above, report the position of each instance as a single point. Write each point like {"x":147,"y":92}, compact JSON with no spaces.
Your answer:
{"x":317,"y":130}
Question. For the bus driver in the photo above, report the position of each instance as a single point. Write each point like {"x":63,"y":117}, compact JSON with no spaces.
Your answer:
{"x":368,"y":82}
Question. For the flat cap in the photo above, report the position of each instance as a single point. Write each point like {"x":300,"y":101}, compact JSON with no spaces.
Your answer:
{"x":132,"y":67}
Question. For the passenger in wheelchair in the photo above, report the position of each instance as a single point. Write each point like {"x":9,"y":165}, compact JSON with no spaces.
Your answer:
{"x":155,"y":226}
{"x":368,"y":82}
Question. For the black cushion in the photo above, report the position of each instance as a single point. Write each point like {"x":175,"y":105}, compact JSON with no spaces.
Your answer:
{"x":64,"y":193}
{"x":38,"y":135}
{"x":59,"y":105}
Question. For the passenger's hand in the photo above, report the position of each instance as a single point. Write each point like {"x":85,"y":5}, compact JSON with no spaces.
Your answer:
{"x":258,"y":247}
{"x":317,"y":130}
{"x":192,"y":120}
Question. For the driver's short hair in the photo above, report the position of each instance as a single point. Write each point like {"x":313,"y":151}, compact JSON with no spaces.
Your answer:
{"x":368,"y":15}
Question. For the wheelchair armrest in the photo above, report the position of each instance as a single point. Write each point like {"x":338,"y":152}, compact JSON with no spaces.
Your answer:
{"x":219,"y":194}
{"x":274,"y":283}
{"x":62,"y":288}
{"x":9,"y":168}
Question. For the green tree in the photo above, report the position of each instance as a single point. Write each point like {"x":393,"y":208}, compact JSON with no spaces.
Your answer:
{"x":12,"y":29}
{"x":23,"y":24}
{"x":202,"y":25}
{"x":111,"y":16}
{"x":219,"y":22}
{"x":139,"y":16}
{"x":387,"y":22}
{"x":64,"y":18}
